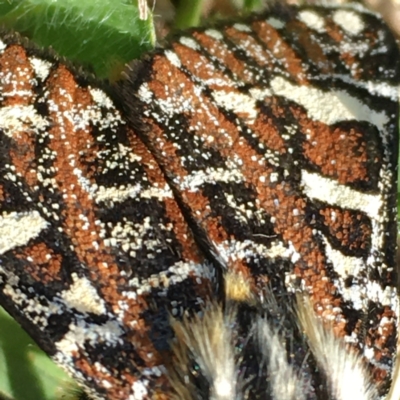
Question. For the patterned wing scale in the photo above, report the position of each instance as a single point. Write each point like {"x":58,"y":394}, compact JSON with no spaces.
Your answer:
{"x":283,"y":151}
{"x":250,"y":163}
{"x":95,"y":252}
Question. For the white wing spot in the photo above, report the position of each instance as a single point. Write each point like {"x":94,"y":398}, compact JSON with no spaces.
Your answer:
{"x":312,"y":20}
{"x":173,"y":58}
{"x":327,"y":190}
{"x":242,"y":27}
{"x":349,"y":21}
{"x":116,"y":194}
{"x":189,"y":42}
{"x":17,"y":229}
{"x":83,"y":332}
{"x":145,"y":93}
{"x":83,"y":296}
{"x":329,"y":107}
{"x":100,"y":98}
{"x":14,"y":119}
{"x":275,"y":23}
{"x":239,"y":103}
{"x":198,"y":178}
{"x":214,"y":34}
{"x":41,"y":67}
{"x":139,"y":390}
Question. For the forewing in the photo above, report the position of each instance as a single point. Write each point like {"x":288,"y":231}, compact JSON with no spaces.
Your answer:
{"x":95,"y":255}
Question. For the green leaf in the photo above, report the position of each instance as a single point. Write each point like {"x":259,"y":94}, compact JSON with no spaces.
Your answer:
{"x":104,"y":35}
{"x":252,"y":5}
{"x":188,"y":13}
{"x":26,"y":373}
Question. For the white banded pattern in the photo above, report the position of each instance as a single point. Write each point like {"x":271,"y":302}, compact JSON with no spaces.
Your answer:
{"x":285,"y":168}
{"x":17,"y":229}
{"x":230,"y":232}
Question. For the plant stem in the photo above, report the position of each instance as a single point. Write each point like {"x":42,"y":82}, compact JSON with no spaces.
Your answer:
{"x":188,"y":13}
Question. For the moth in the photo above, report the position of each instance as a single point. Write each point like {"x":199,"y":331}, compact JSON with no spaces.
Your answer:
{"x":218,"y":224}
